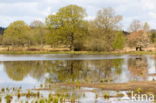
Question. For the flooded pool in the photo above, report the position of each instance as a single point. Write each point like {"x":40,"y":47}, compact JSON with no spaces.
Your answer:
{"x":31,"y":71}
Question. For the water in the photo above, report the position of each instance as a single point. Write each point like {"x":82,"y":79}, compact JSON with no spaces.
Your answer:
{"x":30,"y":71}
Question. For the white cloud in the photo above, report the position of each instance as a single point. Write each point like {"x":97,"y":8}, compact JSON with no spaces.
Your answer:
{"x":90,"y":18}
{"x":152,"y":14}
{"x":29,"y":10}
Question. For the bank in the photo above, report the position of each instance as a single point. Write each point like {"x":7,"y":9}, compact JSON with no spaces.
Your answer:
{"x":80,"y":52}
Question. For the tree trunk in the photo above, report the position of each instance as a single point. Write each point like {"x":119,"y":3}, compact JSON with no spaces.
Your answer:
{"x":140,"y":49}
{"x":8,"y":48}
{"x":71,"y":42}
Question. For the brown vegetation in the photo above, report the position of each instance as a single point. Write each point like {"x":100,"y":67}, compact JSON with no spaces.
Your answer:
{"x":145,"y":86}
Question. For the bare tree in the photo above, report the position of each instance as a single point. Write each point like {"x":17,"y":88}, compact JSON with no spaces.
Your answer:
{"x":107,"y":19}
{"x":36,"y":24}
{"x":135,"y":26}
{"x":103,"y":30}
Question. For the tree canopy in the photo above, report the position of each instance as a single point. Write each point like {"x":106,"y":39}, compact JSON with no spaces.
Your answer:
{"x":68,"y":25}
{"x":17,"y":33}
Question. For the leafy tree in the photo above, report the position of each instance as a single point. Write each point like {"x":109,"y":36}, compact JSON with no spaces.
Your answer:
{"x":153,"y":37}
{"x":17,"y":33}
{"x":1,"y":39}
{"x":38,"y":32}
{"x":54,"y":37}
{"x":68,"y":25}
{"x":119,"y":41}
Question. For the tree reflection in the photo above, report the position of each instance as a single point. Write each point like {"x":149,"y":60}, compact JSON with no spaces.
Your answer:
{"x":106,"y":70}
{"x":65,"y":70}
{"x":17,"y":70}
{"x":138,"y":67}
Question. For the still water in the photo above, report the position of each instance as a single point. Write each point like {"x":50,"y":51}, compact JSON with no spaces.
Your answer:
{"x":30,"y":71}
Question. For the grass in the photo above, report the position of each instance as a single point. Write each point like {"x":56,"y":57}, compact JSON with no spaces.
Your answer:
{"x":79,"y":52}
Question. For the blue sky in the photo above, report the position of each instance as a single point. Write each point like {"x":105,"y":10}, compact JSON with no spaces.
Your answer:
{"x":29,"y":10}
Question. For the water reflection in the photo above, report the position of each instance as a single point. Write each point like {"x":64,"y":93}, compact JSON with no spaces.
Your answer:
{"x":74,"y":68}
{"x":137,"y":68}
{"x":65,"y":71}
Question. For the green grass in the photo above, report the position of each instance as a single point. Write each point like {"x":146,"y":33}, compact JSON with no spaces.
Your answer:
{"x":79,"y":52}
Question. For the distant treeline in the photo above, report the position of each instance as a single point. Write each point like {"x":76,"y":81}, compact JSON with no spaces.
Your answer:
{"x":2,"y":30}
{"x":69,"y":28}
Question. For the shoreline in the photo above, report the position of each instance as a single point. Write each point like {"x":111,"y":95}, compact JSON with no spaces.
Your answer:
{"x":148,"y":86}
{"x":81,"y":52}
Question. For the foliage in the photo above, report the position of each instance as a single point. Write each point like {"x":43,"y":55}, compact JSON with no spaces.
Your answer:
{"x":119,"y":41}
{"x":69,"y":28}
{"x":138,"y":39}
{"x":38,"y":32}
{"x":153,"y":37}
{"x":17,"y":33}
{"x":67,"y":25}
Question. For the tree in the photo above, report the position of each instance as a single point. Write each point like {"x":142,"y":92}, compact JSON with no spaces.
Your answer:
{"x":17,"y":33}
{"x":54,"y":37}
{"x":103,"y":31}
{"x":119,"y":41}
{"x":138,"y":39}
{"x":1,"y":39}
{"x":37,"y":24}
{"x":135,"y":26}
{"x":107,"y":20}
{"x":69,"y":25}
{"x":140,"y":36}
{"x":153,"y":36}
{"x":146,"y":27}
{"x":38,"y":32}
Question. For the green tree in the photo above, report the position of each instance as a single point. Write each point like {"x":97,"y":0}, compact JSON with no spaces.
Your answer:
{"x":68,"y":25}
{"x":54,"y":37}
{"x":153,"y":36}
{"x":17,"y":34}
{"x":119,"y":41}
{"x":38,"y":32}
{"x":1,"y":39}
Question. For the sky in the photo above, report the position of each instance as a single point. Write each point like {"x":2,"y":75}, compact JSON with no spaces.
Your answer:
{"x":30,"y":10}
